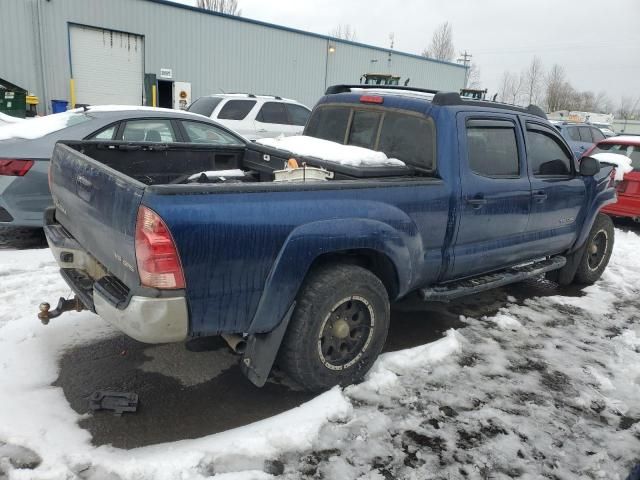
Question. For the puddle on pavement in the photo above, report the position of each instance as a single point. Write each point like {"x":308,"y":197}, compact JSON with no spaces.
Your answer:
{"x":184,"y":394}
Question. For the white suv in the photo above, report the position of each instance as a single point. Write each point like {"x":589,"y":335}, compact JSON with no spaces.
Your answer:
{"x":254,"y":116}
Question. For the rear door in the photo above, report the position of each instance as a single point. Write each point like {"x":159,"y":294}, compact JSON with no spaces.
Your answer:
{"x":99,"y":207}
{"x":558,"y":192}
{"x":237,"y":114}
{"x":273,"y":120}
{"x":496,"y":193}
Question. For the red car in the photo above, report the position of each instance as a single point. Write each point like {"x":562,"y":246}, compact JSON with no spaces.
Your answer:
{"x":628,"y":204}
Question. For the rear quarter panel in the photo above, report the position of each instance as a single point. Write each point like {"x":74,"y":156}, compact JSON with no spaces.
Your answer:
{"x":239,"y":250}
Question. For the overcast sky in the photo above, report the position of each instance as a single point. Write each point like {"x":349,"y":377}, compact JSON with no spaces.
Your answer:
{"x":596,"y":41}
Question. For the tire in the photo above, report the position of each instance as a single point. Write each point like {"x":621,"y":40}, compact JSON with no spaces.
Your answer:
{"x":597,"y":252}
{"x":338,"y":328}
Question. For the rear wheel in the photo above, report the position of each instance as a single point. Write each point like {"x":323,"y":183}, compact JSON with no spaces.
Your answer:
{"x":338,"y":328}
{"x":597,"y":252}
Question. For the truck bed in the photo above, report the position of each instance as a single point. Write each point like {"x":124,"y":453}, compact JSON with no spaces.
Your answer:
{"x":173,"y":164}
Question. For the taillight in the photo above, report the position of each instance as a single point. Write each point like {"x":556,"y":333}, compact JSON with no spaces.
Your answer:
{"x":371,"y":99}
{"x":156,"y":254}
{"x":14,"y":168}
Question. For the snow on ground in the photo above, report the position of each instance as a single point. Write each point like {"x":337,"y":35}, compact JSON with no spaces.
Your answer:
{"x":330,"y":151}
{"x":547,"y":388}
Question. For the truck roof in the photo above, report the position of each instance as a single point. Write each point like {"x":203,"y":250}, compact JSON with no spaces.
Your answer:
{"x":417,"y":98}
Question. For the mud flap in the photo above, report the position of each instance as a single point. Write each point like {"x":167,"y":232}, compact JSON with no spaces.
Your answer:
{"x":566,"y":274}
{"x":261,"y":351}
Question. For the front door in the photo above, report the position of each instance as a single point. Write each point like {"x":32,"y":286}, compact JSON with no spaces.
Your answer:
{"x":496,"y":193}
{"x":557,"y":191}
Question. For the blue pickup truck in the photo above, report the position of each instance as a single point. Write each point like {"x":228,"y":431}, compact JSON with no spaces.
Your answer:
{"x":303,"y":273}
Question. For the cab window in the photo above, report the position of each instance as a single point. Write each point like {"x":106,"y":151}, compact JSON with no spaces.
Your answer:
{"x":546,"y":154}
{"x":492,"y":148}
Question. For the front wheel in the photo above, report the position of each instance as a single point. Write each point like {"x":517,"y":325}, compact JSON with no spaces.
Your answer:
{"x":597,"y":252}
{"x":338,"y":328}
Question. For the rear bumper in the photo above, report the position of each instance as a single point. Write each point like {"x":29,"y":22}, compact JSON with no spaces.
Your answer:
{"x":24,"y":199}
{"x":146,"y":319}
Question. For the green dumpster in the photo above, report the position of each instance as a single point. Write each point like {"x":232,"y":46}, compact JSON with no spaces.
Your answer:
{"x":13,"y":99}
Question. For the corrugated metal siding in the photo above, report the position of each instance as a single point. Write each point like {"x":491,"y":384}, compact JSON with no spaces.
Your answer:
{"x":19,"y":59}
{"x":217,"y":54}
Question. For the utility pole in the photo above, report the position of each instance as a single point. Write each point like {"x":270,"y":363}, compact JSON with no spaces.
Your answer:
{"x":465,"y":59}
{"x":392,"y":37}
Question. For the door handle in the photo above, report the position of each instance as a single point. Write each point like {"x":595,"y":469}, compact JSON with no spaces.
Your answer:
{"x":539,"y":197}
{"x":477,"y":202}
{"x":262,"y":131}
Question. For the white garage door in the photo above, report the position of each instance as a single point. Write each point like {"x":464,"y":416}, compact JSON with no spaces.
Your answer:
{"x":107,"y":66}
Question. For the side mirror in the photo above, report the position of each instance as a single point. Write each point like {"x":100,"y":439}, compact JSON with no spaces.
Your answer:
{"x":589,"y":166}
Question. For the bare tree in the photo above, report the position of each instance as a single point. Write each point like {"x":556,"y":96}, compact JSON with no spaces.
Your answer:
{"x":511,"y":87}
{"x":345,"y":32}
{"x":230,"y":7}
{"x":441,"y":46}
{"x":602,"y":103}
{"x":473,"y":76}
{"x":533,"y":80}
{"x":628,"y":108}
{"x":556,"y":89}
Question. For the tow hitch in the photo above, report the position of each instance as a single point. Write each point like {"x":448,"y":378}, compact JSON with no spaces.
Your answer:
{"x":64,"y":305}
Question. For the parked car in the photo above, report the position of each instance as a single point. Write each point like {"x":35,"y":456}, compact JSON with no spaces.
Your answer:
{"x":478,"y":195}
{"x":26,"y":147}
{"x":580,"y":137}
{"x":254,"y":116}
{"x":628,"y":204}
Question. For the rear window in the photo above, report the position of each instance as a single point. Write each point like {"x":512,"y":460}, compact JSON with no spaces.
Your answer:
{"x":405,"y":136}
{"x":329,"y":123}
{"x":409,"y":138}
{"x":631,"y":151}
{"x":204,"y":105}
{"x":236,"y":109}
{"x":364,"y":128}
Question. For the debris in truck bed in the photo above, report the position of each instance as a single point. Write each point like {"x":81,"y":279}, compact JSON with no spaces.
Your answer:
{"x":119,"y":402}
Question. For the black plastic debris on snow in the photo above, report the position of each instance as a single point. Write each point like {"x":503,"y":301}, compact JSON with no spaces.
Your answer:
{"x":119,"y":402}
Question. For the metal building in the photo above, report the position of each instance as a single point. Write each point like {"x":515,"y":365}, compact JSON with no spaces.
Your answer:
{"x":122,"y":51}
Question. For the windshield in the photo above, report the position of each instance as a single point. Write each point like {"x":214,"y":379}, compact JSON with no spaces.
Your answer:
{"x":631,"y":151}
{"x":41,"y":126}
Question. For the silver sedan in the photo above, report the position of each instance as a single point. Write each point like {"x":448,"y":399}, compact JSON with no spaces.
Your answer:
{"x":26,"y":147}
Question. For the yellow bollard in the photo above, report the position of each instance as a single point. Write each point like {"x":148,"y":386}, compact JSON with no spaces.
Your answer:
{"x":72,"y":92}
{"x":153,"y":95}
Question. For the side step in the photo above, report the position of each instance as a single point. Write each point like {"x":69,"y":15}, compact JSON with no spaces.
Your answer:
{"x":443,"y":293}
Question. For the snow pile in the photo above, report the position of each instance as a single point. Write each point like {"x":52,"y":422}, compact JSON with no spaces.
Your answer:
{"x":330,"y":151}
{"x":6,"y":119}
{"x":38,"y":126}
{"x":621,"y":162}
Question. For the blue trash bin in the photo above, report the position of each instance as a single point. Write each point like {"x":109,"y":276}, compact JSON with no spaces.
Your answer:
{"x":59,"y":106}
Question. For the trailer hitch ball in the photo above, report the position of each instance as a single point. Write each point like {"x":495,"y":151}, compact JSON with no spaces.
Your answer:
{"x":43,"y":315}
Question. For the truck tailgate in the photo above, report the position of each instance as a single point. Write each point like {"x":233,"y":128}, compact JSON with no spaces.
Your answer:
{"x":98,"y":206}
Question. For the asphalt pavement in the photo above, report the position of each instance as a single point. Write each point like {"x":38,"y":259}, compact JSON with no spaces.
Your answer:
{"x":188,"y":393}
